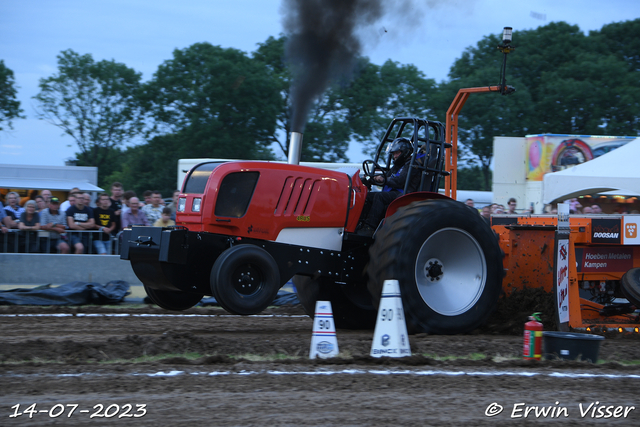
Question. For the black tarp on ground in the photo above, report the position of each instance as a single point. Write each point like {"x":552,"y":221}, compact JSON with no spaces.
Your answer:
{"x":283,"y":298}
{"x":74,"y":293}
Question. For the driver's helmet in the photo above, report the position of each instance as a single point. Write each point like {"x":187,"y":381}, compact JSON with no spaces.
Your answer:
{"x":404,"y":146}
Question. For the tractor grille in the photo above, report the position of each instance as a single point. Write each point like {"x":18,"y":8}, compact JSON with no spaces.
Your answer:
{"x":297,"y":197}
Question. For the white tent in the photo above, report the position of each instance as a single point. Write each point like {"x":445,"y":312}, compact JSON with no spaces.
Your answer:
{"x":62,"y":178}
{"x":617,"y":170}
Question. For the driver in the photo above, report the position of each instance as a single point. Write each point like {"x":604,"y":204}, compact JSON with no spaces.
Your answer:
{"x":377,"y":202}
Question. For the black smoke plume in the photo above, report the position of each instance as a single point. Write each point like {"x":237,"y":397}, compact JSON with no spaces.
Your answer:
{"x":322,"y":46}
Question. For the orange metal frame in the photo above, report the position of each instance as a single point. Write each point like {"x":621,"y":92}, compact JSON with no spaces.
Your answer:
{"x":451,"y":135}
{"x":528,"y":245}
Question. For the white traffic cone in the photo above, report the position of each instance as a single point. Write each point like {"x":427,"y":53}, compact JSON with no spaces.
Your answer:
{"x":324,"y":343}
{"x":390,"y":338}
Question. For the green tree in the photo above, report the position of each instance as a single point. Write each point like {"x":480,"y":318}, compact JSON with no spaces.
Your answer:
{"x":9,"y":105}
{"x":566,"y":82}
{"x":326,"y":136}
{"x":380,"y":93}
{"x":224,"y":100}
{"x":471,"y":178}
{"x":359,"y":107}
{"x":96,"y":103}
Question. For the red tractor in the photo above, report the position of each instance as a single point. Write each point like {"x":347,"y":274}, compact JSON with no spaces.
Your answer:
{"x":245,"y":228}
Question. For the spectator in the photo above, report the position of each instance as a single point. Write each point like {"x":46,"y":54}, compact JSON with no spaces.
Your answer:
{"x":116,"y":197}
{"x":5,"y":221}
{"x":31,"y":195}
{"x":165,"y":220}
{"x":71,"y":200}
{"x":596,"y":209}
{"x":134,"y":216}
{"x":575,"y":206}
{"x":174,"y":204}
{"x":486,"y":214}
{"x":80,"y":218}
{"x":153,"y":210}
{"x":126,"y":196}
{"x":470,"y":203}
{"x":116,"y":203}
{"x":41,"y":204}
{"x":512,"y":206}
{"x":105,"y":222}
{"x":46,"y":194}
{"x":30,"y":223}
{"x":147,"y":197}
{"x":13,"y":209}
{"x":7,"y":240}
{"x":587,"y":210}
{"x":55,"y":222}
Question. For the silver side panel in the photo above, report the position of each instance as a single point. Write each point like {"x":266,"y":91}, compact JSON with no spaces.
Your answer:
{"x":321,"y":238}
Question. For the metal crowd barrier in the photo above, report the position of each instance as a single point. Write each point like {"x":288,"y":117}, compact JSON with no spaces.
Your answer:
{"x":29,"y":241}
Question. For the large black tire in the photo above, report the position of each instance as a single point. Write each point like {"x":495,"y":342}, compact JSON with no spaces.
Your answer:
{"x":447,"y":261}
{"x":245,"y":279}
{"x":630,"y":284}
{"x":173,"y":300}
{"x":352,"y":311}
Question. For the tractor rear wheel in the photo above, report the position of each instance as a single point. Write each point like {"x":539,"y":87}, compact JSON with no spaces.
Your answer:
{"x":447,"y":261}
{"x":352,"y":307}
{"x":173,"y":300}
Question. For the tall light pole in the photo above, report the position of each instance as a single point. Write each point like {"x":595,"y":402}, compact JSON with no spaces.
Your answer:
{"x":505,"y":48}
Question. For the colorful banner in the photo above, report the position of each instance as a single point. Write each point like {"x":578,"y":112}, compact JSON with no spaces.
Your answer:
{"x":552,"y":153}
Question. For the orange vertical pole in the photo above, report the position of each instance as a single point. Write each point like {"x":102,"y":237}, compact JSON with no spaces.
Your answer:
{"x":575,"y":311}
{"x":451,"y":136}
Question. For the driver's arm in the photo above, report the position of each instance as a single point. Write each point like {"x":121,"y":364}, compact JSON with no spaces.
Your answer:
{"x":400,"y":179}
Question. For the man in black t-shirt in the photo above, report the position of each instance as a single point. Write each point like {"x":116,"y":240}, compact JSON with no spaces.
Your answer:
{"x":105,"y":222}
{"x":80,"y":218}
{"x":117,"y":202}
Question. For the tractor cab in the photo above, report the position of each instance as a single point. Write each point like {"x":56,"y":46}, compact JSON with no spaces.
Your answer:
{"x":427,"y":157}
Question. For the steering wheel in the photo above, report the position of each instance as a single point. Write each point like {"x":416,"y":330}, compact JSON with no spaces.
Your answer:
{"x":371,"y":170}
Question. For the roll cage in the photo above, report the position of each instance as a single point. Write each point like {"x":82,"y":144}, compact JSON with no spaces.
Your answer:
{"x":428,"y":154}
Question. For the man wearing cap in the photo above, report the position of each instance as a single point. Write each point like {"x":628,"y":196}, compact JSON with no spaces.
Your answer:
{"x":54,"y":222}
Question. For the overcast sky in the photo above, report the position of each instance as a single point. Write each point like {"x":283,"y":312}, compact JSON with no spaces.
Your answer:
{"x":143,"y":33}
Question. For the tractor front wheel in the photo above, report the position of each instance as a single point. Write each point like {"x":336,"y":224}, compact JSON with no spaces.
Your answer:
{"x":245,"y":279}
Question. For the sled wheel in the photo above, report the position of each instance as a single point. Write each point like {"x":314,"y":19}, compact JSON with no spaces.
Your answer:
{"x":352,"y":309}
{"x":447,"y":261}
{"x":630,"y":284}
{"x":173,"y":300}
{"x":245,"y":279}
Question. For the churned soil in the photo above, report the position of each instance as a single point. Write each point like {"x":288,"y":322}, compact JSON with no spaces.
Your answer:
{"x":218,"y":369}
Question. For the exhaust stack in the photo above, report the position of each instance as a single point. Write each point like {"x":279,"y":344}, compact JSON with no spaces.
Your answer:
{"x":295,"y":148}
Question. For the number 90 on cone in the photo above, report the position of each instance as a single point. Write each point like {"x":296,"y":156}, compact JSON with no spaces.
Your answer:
{"x":390,"y":338}
{"x":324,"y":343}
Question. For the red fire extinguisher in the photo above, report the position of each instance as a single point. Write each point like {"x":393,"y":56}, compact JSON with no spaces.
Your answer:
{"x":533,"y":338}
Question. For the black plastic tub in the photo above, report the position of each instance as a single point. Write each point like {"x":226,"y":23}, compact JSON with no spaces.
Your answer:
{"x":571,"y":346}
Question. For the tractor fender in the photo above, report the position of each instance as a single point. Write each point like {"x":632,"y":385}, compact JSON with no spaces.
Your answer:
{"x":410,"y":198}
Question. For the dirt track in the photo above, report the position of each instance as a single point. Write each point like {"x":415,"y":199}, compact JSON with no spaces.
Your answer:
{"x":66,"y":357}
